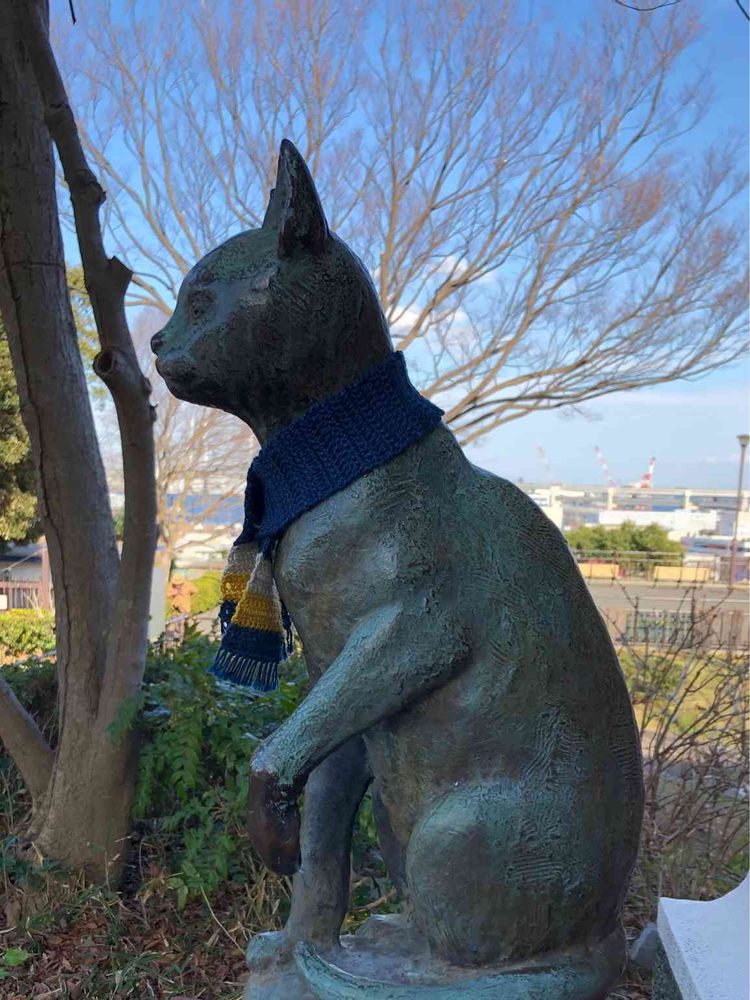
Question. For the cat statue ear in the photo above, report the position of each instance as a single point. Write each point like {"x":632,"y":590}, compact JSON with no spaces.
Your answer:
{"x":294,"y":208}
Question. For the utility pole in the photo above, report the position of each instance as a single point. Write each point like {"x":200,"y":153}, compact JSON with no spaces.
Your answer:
{"x":743,"y":439}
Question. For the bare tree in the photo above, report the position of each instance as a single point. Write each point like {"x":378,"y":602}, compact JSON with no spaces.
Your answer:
{"x":201,"y":465}
{"x":82,"y":789}
{"x":539,"y":234}
{"x":201,"y":461}
{"x":688,"y":683}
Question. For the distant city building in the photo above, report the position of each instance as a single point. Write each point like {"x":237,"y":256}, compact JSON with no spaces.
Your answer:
{"x":726,"y":523}
{"x":684,"y":511}
{"x":687,"y":514}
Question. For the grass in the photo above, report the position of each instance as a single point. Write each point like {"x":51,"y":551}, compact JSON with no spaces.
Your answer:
{"x":77,"y":942}
{"x":98,"y":944}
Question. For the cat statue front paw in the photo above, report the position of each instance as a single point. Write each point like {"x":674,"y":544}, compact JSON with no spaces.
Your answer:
{"x":269,"y":949}
{"x":273,"y":973}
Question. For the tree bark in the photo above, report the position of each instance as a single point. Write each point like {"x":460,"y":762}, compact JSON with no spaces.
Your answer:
{"x":26,"y":744}
{"x":101,"y":600}
{"x":107,"y":280}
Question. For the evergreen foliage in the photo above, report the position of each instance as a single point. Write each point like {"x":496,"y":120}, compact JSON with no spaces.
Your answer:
{"x":26,"y":630}
{"x":198,"y":737}
{"x":17,"y":479}
{"x":627,"y":537}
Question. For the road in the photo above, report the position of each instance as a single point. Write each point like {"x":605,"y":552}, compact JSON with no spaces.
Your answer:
{"x":667,"y":597}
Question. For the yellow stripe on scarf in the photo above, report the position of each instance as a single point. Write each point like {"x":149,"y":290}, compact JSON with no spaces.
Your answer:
{"x":258,"y":611}
{"x":233,"y":586}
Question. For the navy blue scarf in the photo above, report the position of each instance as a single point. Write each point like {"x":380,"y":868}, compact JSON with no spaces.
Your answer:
{"x":364,"y":425}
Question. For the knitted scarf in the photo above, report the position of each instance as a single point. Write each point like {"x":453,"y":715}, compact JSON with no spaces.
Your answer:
{"x":364,"y":425}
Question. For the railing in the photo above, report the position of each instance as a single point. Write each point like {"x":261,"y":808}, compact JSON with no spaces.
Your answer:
{"x":688,"y":628}
{"x":36,"y":593}
{"x":21,"y":594}
{"x":662,"y":567}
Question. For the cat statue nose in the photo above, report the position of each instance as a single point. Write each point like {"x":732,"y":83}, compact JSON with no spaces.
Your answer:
{"x":156,"y":341}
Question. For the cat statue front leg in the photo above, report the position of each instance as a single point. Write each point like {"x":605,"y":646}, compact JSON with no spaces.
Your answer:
{"x":320,"y":895}
{"x":398,"y":654}
{"x":376,"y":674}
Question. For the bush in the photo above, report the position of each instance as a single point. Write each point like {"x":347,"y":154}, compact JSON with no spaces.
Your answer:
{"x":199,"y":735}
{"x":35,"y":685}
{"x":628,"y":537}
{"x":690,"y":699}
{"x":209,"y":593}
{"x":26,"y":630}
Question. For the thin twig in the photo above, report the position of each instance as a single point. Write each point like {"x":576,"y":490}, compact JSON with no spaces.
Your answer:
{"x":645,"y":10}
{"x":219,"y":923}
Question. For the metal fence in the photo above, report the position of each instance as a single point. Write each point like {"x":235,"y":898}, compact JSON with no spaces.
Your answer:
{"x":663,"y":567}
{"x":20,"y":594}
{"x":15,"y":592}
{"x":717,"y":629}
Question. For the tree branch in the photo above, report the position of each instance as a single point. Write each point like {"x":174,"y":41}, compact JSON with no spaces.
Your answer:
{"x":645,"y":10}
{"x":25,"y":743}
{"x":107,"y":280}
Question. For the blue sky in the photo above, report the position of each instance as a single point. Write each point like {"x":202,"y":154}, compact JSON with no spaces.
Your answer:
{"x":690,"y":427}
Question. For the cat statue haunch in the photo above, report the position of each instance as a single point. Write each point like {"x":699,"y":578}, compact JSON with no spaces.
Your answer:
{"x":458,"y":664}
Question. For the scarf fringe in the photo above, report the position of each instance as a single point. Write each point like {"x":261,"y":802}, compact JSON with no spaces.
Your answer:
{"x":255,"y":627}
{"x":258,"y":676}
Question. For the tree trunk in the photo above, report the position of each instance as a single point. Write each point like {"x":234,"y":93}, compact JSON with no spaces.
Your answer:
{"x":83,"y":818}
{"x":101,"y":600}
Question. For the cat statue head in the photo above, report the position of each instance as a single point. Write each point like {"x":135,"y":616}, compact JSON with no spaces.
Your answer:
{"x":275,"y":319}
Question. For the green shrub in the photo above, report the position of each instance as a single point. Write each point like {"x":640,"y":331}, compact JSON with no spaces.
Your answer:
{"x":199,"y":736}
{"x":209,"y":593}
{"x":35,"y":685}
{"x":26,"y":630}
{"x":627,"y":537}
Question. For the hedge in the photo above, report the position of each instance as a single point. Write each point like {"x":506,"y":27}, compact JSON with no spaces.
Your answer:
{"x":26,"y":630}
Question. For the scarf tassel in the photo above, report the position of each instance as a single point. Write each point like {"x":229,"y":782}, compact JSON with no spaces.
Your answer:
{"x":256,"y":628}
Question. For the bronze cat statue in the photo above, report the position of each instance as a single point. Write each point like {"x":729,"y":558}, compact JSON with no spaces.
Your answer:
{"x":459,"y":664}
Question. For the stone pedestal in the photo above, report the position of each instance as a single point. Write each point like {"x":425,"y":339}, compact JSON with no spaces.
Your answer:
{"x":382,"y":945}
{"x":393,"y":960}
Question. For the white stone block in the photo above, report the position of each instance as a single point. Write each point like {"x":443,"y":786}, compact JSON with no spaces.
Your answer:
{"x":707,"y":945}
